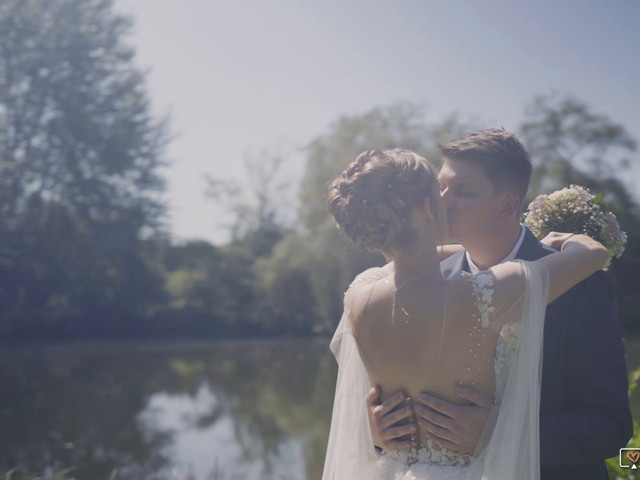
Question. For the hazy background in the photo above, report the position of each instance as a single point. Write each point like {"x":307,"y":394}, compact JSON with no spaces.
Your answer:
{"x":238,"y":76}
{"x":135,"y":344}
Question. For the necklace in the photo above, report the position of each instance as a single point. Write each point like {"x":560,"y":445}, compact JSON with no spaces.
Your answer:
{"x":407,"y":316}
{"x":395,"y":292}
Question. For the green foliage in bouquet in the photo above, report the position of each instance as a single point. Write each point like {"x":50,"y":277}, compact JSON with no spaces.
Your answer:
{"x":575,"y":210}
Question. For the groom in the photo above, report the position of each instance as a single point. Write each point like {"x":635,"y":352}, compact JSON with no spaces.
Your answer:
{"x":584,"y":408}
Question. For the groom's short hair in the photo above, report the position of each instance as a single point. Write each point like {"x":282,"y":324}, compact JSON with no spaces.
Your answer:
{"x":505,"y":161}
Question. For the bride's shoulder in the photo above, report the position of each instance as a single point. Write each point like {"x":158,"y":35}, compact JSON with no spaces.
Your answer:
{"x":370,"y":275}
{"x":359,"y":293}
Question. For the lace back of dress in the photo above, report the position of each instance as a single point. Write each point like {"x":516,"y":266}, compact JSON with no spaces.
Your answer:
{"x":430,"y":452}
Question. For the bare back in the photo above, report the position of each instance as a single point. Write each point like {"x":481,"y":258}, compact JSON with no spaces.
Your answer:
{"x":433,"y":334}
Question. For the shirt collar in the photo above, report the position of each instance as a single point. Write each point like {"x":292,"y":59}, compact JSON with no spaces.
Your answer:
{"x":473,"y":269}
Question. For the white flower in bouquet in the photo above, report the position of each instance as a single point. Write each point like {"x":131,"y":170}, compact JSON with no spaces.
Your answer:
{"x":575,"y":210}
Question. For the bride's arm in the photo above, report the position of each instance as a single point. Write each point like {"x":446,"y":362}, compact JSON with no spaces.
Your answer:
{"x":579,"y":257}
{"x":445,"y":251}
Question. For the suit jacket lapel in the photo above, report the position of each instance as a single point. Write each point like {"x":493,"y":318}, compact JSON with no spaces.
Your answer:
{"x":453,"y":266}
{"x":531,"y":248}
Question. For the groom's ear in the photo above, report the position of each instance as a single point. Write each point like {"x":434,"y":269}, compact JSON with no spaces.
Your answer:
{"x":509,"y":205}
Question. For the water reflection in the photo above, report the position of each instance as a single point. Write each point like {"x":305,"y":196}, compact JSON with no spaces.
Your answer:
{"x":212,"y":450}
{"x":242,"y":410}
{"x":237,"y":410}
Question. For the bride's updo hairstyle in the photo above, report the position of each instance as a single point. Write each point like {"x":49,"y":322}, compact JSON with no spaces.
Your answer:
{"x":373,"y":198}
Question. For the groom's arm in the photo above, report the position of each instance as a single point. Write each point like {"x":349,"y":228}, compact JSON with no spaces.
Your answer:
{"x":595,"y":421}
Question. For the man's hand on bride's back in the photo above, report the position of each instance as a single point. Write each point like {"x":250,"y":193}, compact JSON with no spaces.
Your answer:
{"x":456,"y":427}
{"x":384,"y":419}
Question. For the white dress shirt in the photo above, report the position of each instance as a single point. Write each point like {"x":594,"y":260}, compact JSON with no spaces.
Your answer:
{"x":512,"y":255}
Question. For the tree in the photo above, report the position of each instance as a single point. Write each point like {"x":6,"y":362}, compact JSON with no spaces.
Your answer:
{"x":257,"y":207}
{"x":398,"y":126}
{"x":79,"y":158}
{"x":318,"y":250}
{"x":570,"y":144}
{"x":212,"y":288}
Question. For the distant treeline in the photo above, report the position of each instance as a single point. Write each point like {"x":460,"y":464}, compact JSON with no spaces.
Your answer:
{"x":82,"y":249}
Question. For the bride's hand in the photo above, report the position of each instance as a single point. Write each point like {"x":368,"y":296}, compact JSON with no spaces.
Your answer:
{"x":555,"y":240}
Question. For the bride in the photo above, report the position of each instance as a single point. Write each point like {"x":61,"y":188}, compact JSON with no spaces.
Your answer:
{"x":406,"y":328}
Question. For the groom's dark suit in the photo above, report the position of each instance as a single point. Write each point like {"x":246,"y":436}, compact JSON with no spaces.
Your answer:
{"x":584,"y":409}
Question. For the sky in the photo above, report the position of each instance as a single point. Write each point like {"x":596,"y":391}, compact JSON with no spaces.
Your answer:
{"x":239,"y":77}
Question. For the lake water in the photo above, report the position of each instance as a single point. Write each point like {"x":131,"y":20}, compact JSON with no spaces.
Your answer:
{"x":234,"y":410}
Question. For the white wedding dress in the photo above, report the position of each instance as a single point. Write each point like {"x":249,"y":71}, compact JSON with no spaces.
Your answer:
{"x":502,"y":330}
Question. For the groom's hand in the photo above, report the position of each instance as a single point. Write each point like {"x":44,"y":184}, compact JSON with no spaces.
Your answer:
{"x":384,"y":418}
{"x":456,"y":427}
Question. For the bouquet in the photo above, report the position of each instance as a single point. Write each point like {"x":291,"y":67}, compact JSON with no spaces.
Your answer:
{"x":575,"y":210}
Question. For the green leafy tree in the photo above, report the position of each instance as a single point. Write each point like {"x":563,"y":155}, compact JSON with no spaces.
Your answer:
{"x":398,"y":126}
{"x":570,"y":144}
{"x":79,"y":158}
{"x":210,"y":289}
{"x":258,"y":205}
{"x":285,"y":303}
